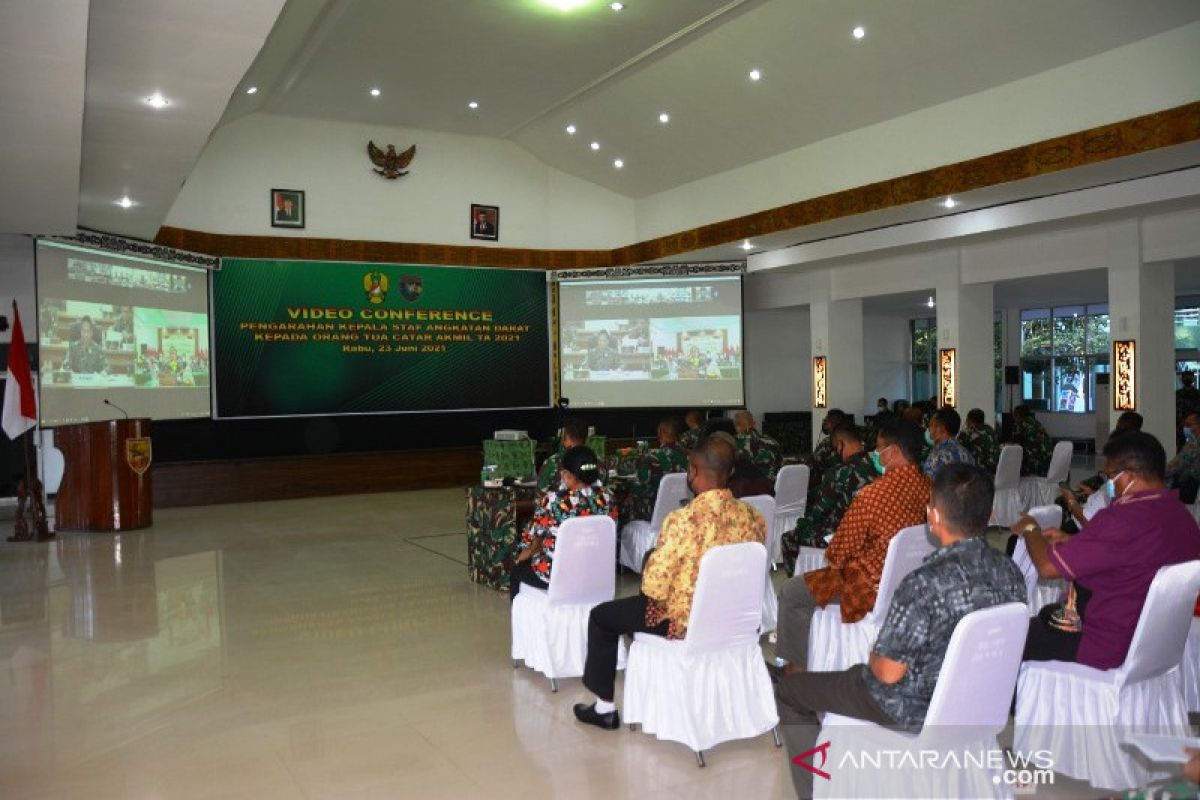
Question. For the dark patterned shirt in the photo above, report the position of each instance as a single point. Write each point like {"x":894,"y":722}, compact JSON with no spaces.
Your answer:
{"x":830,"y":502}
{"x":1035,"y":442}
{"x":952,"y":582}
{"x":984,"y":447}
{"x":548,"y":477}
{"x":763,"y":451}
{"x":553,"y":509}
{"x":689,"y":438}
{"x":944,"y":453}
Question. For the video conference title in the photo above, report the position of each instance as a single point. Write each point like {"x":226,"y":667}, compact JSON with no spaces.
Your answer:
{"x":385,"y":314}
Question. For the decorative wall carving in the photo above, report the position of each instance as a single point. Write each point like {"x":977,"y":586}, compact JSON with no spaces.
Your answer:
{"x":1124,"y":374}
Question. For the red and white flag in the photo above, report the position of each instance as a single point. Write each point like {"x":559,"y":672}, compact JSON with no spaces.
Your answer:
{"x":20,"y":403}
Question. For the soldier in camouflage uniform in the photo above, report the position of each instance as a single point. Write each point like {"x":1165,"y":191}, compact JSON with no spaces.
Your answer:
{"x":695,"y":427}
{"x":823,"y":457}
{"x":651,"y":466}
{"x":574,"y":434}
{"x":763,"y":451}
{"x":1034,"y":440}
{"x":831,"y":500}
{"x":980,"y":439}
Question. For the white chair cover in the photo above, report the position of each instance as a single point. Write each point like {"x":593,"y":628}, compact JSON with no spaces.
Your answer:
{"x":791,"y":499}
{"x":765,"y":505}
{"x":639,"y":536}
{"x":810,"y":558}
{"x":968,"y":710}
{"x":835,"y":645}
{"x":1039,"y":490}
{"x":51,"y":462}
{"x":1081,"y":714}
{"x":549,"y":626}
{"x":1191,"y":668}
{"x":712,"y":686}
{"x":1040,"y":592}
{"x":1007,"y":505}
{"x":1195,"y":509}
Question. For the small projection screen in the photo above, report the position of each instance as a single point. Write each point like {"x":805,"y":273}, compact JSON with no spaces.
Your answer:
{"x":669,"y":342}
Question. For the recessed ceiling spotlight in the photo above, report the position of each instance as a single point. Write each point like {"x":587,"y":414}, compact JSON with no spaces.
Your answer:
{"x":930,"y":302}
{"x":618,"y":163}
{"x":746,"y":245}
{"x":251,"y":90}
{"x":156,"y":100}
{"x":858,"y":32}
{"x":617,"y":6}
{"x":755,"y":74}
{"x":375,"y":91}
{"x":571,"y":130}
{"x":595,"y":145}
{"x":664,"y":118}
{"x":949,"y":202}
{"x":474,"y":104}
{"x":125,"y":202}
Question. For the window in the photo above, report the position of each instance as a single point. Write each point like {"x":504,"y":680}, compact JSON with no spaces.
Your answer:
{"x":1062,"y":351}
{"x":923,"y":365}
{"x":1187,"y":328}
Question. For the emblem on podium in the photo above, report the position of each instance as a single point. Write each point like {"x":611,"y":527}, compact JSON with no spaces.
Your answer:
{"x":138,"y":454}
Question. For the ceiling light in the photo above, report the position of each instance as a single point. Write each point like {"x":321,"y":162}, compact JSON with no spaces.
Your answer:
{"x":664,"y":118}
{"x":618,"y":163}
{"x":930,"y":302}
{"x":375,"y":91}
{"x":949,"y":202}
{"x":755,"y":74}
{"x":745,"y":245}
{"x":858,"y":32}
{"x":617,"y":6}
{"x":125,"y":202}
{"x":251,"y":90}
{"x":595,"y":145}
{"x":474,"y":104}
{"x":156,"y":100}
{"x":571,"y":130}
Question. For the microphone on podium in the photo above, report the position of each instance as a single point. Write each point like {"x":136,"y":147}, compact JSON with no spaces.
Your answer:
{"x":108,"y":402}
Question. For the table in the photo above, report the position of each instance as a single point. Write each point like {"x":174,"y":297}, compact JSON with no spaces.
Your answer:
{"x":495,"y":518}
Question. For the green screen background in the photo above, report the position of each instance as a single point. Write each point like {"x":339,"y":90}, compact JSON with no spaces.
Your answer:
{"x":287,"y":378}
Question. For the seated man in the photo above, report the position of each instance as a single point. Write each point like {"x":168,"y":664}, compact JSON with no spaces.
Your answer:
{"x":1088,"y":500}
{"x":85,"y":354}
{"x":651,"y":466}
{"x":944,"y":448}
{"x":762,"y":450}
{"x":841,"y":483}
{"x":574,"y":434}
{"x":1183,"y":472}
{"x":747,"y":479}
{"x":1112,"y":561}
{"x":576,"y":493}
{"x":878,"y":512}
{"x":980,"y":439}
{"x":695,"y":422}
{"x":895,"y":686}
{"x":823,"y":457}
{"x":1034,"y":441}
{"x":664,"y":604}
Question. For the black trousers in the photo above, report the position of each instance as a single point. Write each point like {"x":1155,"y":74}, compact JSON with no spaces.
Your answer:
{"x":1046,"y":643}
{"x":523,"y":573}
{"x":802,"y":697}
{"x":607,"y":623}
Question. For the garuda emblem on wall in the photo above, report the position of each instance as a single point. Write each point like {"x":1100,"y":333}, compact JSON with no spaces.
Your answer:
{"x":391,"y":164}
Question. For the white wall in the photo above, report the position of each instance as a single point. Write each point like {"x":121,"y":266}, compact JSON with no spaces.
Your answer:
{"x":17,"y":282}
{"x":777,"y":350}
{"x":885,"y":360}
{"x":540,"y":207}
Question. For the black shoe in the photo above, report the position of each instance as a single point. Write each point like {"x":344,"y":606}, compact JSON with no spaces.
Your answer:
{"x":588,"y":715}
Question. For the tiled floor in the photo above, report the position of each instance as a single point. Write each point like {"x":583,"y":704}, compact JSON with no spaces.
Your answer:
{"x":301,"y":649}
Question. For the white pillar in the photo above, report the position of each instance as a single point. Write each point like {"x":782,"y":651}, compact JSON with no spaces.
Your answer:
{"x":837,"y":334}
{"x":965,"y":319}
{"x":1141,"y":306}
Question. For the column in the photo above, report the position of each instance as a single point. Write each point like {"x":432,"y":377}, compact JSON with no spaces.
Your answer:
{"x":1141,"y":307}
{"x":966,"y":322}
{"x":837,"y":334}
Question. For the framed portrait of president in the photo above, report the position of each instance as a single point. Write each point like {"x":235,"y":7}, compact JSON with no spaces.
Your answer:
{"x":485,"y":222}
{"x":287,"y":208}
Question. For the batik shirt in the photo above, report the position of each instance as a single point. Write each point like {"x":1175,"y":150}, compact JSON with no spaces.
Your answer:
{"x":713,"y":518}
{"x":878,"y":512}
{"x":553,"y":509}
{"x":1035,"y":443}
{"x":1185,"y":465}
{"x":764,"y":452}
{"x":821,"y":518}
{"x":984,"y":447}
{"x":651,"y":467}
{"x":952,"y":582}
{"x":548,"y":477}
{"x":944,"y":453}
{"x":689,"y":439}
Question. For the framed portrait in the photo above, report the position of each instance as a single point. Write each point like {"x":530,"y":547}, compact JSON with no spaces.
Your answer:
{"x":287,"y":208}
{"x":485,"y":222}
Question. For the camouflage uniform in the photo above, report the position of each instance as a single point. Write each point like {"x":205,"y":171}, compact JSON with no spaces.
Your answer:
{"x":822,"y":459}
{"x":651,"y":466}
{"x":828,"y":504}
{"x":763,"y":451}
{"x":689,"y":439}
{"x":1035,"y":443}
{"x":1185,"y":465}
{"x":984,"y":447}
{"x":548,"y":477}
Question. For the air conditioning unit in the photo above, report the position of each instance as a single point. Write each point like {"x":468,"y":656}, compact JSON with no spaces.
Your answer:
{"x":510,"y":436}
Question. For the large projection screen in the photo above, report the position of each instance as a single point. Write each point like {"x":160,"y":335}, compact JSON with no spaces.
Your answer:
{"x":669,"y":342}
{"x":130,"y":330}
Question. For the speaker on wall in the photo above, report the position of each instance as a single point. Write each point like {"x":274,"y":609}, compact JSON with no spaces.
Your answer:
{"x":1012,"y":376}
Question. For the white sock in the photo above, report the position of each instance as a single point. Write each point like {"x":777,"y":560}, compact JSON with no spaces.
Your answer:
{"x":604,"y":706}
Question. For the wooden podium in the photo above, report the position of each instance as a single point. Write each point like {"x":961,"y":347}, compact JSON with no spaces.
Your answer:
{"x":106,"y":478}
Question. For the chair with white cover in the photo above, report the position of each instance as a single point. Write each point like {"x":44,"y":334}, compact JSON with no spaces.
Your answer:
{"x":765,"y":505}
{"x":968,"y":710}
{"x":639,"y":536}
{"x":1040,"y":490}
{"x":1007,"y":505}
{"x":51,"y":463}
{"x":791,"y":499}
{"x":1191,"y":668}
{"x":711,"y":686}
{"x":1082,"y":714}
{"x":1040,"y":591}
{"x":835,"y":645}
{"x":810,"y":558}
{"x":549,"y":626}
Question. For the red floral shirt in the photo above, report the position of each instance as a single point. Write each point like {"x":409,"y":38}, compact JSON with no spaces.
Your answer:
{"x":554,"y":507}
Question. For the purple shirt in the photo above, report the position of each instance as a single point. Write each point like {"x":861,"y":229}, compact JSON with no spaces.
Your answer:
{"x":1116,"y":556}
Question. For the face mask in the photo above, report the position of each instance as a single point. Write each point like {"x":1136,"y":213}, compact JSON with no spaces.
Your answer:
{"x":1110,"y":486}
{"x":928,"y":438}
{"x":877,"y":462}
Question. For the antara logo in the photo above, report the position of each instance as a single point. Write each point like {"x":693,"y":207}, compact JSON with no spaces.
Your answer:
{"x":802,"y":760}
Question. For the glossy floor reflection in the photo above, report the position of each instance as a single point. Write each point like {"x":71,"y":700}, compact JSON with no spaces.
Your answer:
{"x":301,"y":649}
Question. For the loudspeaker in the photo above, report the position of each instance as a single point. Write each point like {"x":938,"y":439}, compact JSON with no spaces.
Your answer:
{"x":1012,"y":376}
